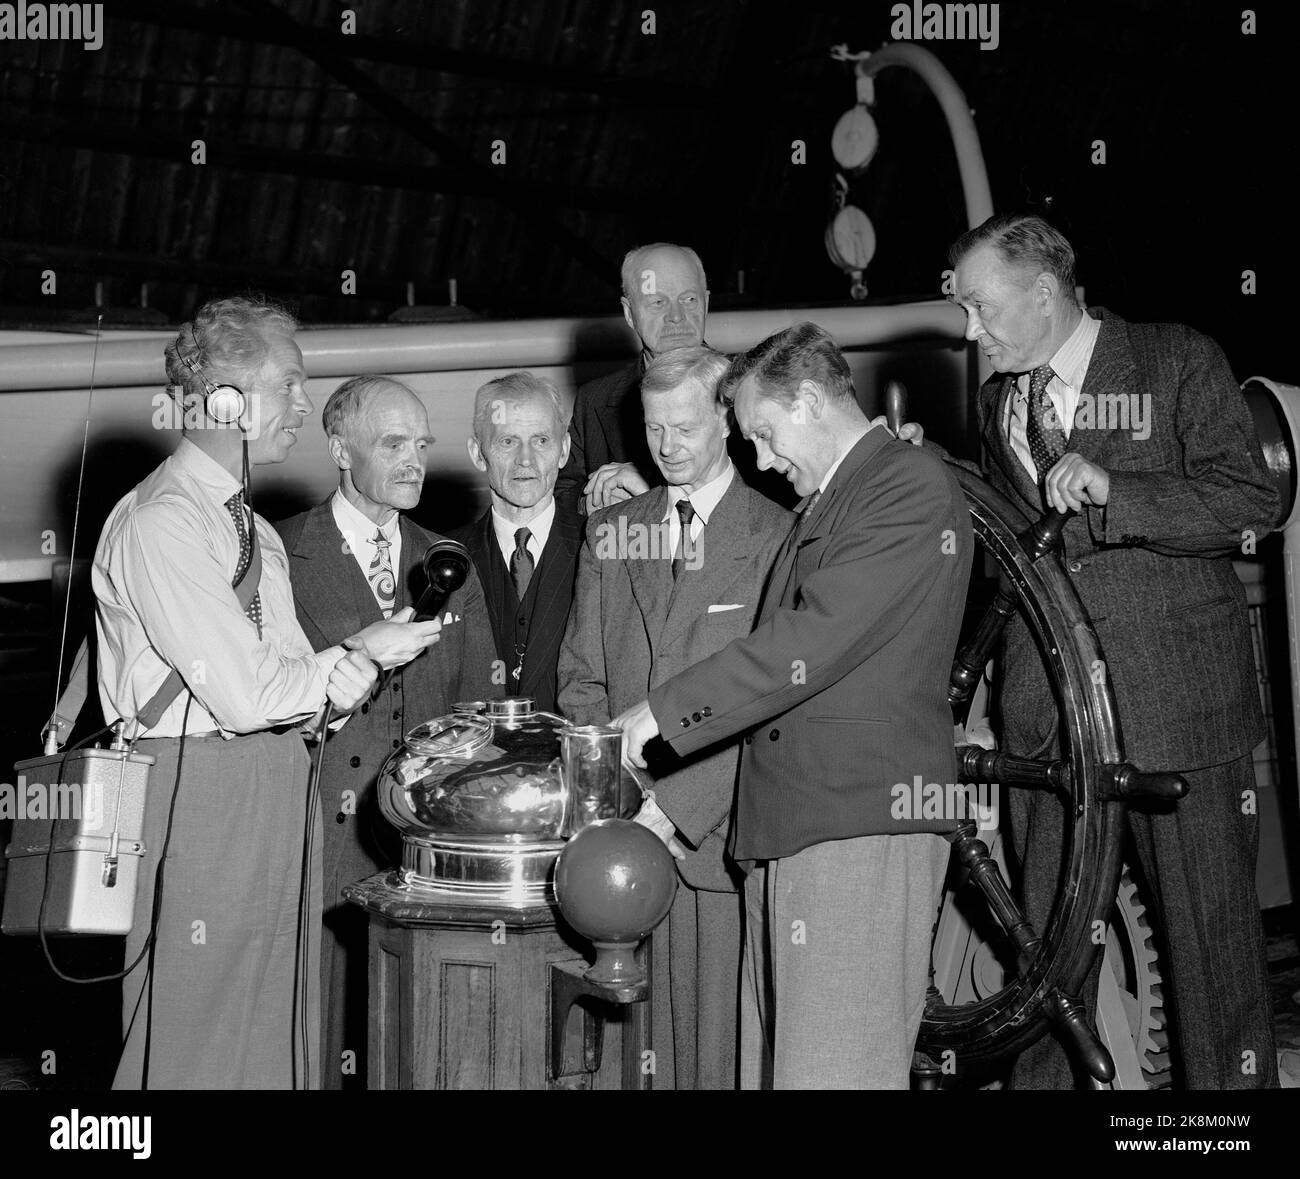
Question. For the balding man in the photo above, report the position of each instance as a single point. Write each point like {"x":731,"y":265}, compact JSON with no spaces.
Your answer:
{"x":665,"y":301}
{"x":525,"y":545}
{"x":355,"y":559}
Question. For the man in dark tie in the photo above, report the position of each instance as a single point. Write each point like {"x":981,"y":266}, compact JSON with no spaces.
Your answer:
{"x":665,"y":579}
{"x":525,"y":546}
{"x":839,"y":693}
{"x":352,"y":560}
{"x":1141,"y":430}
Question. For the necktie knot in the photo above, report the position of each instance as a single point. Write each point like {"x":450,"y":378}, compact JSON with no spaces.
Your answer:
{"x":685,"y":514}
{"x":1039,"y":379}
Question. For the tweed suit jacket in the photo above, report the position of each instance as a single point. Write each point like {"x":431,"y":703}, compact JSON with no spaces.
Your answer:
{"x":1153,"y":567}
{"x":554,"y":590}
{"x":633,"y":627}
{"x":841,"y":688}
{"x":333,"y":600}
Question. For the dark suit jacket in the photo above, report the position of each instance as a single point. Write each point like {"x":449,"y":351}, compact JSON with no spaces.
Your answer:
{"x":554,"y":580}
{"x":333,"y":600}
{"x":629,"y":631}
{"x":842,"y":686}
{"x":606,"y":427}
{"x":1153,"y":567}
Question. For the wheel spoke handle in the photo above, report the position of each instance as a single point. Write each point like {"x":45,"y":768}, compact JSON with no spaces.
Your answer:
{"x":1044,"y":534}
{"x":973,"y":855}
{"x":977,"y":765}
{"x":969,"y":663}
{"x":1071,"y":1019}
{"x":1132,"y":785}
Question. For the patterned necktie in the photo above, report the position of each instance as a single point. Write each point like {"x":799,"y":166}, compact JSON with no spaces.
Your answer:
{"x":1043,"y":429}
{"x":685,"y":546}
{"x":805,"y":514}
{"x":235,"y":506}
{"x":521,"y":563}
{"x":382,"y":583}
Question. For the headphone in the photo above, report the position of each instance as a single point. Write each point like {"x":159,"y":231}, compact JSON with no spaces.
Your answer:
{"x":224,"y":404}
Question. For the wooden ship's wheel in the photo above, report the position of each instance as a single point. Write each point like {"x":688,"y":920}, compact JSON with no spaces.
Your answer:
{"x":1093,"y":782}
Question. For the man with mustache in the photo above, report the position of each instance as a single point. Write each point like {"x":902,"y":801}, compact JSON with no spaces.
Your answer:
{"x":354,"y":559}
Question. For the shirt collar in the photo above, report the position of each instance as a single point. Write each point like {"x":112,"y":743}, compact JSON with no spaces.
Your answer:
{"x":1071,"y":360}
{"x":539,"y":526}
{"x":351,"y":519}
{"x":703,"y":499}
{"x":835,"y":466}
{"x":209,"y":474}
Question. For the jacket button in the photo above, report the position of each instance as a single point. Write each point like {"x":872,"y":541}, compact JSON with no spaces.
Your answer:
{"x":521,"y":621}
{"x":774,"y":734}
{"x":365,"y":708}
{"x":695,"y":716}
{"x":397,"y":683}
{"x":340,"y":818}
{"x":354,"y":762}
{"x":396,"y":743}
{"x":685,"y":723}
{"x":749,"y":740}
{"x":708,"y":712}
{"x":397,"y":714}
{"x":1075,"y":566}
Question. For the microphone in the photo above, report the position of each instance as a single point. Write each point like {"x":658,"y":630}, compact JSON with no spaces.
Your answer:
{"x":446,"y":566}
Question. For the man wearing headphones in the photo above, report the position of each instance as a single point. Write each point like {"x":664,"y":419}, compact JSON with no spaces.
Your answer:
{"x":197,"y":636}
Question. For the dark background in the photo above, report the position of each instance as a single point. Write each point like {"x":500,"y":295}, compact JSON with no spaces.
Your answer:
{"x":372,"y":152}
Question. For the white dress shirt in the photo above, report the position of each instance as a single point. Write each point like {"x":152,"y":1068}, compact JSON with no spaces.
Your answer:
{"x":161,"y":578}
{"x":358,"y":532}
{"x":703,"y":500}
{"x":539,"y":529}
{"x":1070,"y":364}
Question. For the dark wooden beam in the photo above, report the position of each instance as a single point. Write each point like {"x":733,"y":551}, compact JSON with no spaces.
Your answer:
{"x":540,"y":215}
{"x":632,"y":91}
{"x":174,"y":146}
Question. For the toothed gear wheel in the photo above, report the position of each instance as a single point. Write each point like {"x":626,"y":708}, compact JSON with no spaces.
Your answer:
{"x":1131,"y":940}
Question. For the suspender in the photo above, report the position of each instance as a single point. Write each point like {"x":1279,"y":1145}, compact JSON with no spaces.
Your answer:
{"x":73,"y":699}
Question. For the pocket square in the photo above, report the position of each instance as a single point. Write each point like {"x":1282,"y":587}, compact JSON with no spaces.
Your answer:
{"x":722,"y":609}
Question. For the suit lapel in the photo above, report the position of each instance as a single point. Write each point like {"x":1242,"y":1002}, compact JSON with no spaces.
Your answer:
{"x":651,"y":575}
{"x":555,"y":569}
{"x":340,"y":594}
{"x":1112,"y":374}
{"x":726,"y":552}
{"x":998,"y":446}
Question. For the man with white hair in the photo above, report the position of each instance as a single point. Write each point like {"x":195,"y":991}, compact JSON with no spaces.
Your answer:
{"x":354,"y":559}
{"x":197,"y":639}
{"x":525,"y":546}
{"x":665,"y":580}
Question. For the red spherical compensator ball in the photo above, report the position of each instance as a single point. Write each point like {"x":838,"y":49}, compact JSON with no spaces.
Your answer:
{"x":615,"y":882}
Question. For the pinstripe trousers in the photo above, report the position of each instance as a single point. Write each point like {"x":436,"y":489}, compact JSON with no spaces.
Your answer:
{"x":1197,"y":864}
